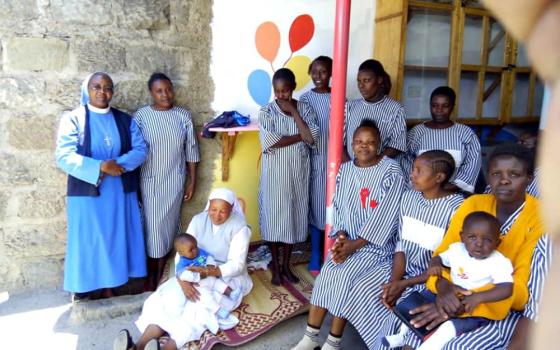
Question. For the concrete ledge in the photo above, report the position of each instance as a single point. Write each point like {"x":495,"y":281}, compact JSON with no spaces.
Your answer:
{"x":107,"y":308}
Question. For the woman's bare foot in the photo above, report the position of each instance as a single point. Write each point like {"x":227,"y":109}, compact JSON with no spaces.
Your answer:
{"x":290,"y":276}
{"x":277,"y":279}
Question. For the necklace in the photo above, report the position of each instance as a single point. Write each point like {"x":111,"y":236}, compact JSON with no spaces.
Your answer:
{"x":107,"y":138}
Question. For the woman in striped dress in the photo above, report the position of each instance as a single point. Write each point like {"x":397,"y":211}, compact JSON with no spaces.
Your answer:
{"x":319,"y":98}
{"x":389,"y":116}
{"x":510,"y":171}
{"x":365,"y":221}
{"x":169,"y":133}
{"x":444,"y":134}
{"x":287,"y":131}
{"x":424,"y":216}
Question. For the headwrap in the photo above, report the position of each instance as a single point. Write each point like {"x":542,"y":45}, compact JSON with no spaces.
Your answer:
{"x":84,"y":95}
{"x":228,"y":196}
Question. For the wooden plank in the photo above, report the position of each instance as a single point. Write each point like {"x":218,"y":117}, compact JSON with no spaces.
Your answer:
{"x":425,"y":68}
{"x":389,"y":41}
{"x":384,"y":18}
{"x":483,"y":121}
{"x":456,"y":52}
{"x":483,"y":62}
{"x":431,"y":5}
{"x":492,"y":87}
{"x":496,"y":40}
{"x":508,"y":83}
{"x":471,"y":11}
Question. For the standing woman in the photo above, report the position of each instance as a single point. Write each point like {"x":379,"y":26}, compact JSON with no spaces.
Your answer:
{"x":319,"y":98}
{"x":169,"y":133}
{"x":442,"y":133}
{"x":100,"y":147}
{"x":287,"y":130}
{"x":375,"y":104}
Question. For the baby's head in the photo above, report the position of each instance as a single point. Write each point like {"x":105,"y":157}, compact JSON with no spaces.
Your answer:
{"x":480,"y":234}
{"x":186,"y":245}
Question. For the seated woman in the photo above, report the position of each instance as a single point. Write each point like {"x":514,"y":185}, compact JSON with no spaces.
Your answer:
{"x":222,"y":231}
{"x":510,"y":171}
{"x":365,"y":219}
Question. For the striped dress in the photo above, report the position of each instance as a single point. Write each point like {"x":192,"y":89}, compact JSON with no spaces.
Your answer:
{"x":365,"y":205}
{"x":284,"y":182}
{"x":422,"y":224}
{"x":497,"y":334}
{"x":321,"y":104}
{"x":171,"y":139}
{"x":388,"y":115}
{"x":458,"y":140}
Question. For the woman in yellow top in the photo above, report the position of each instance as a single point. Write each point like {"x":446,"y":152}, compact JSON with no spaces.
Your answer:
{"x":510,"y":171}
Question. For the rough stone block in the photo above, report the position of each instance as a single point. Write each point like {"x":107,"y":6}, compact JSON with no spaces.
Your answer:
{"x":64,"y":92}
{"x":21,"y":92}
{"x":36,"y":54}
{"x":17,"y":11}
{"x":42,"y":170}
{"x":43,"y":203}
{"x":98,"y":55}
{"x":33,"y":240}
{"x":131,"y":95}
{"x":3,"y":205}
{"x":17,"y":174}
{"x":32,"y":133}
{"x":41,"y":272}
{"x":144,"y":14}
{"x":86,"y":12}
{"x":108,"y":308}
{"x":149,"y":59}
{"x":10,"y":273}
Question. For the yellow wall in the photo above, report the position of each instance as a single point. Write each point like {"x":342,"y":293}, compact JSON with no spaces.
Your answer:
{"x":244,"y":172}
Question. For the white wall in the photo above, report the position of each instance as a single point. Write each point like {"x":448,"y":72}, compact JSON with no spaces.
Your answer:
{"x":234,"y":55}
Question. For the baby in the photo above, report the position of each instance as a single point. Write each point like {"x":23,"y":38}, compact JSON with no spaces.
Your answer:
{"x":474,"y":262}
{"x":190,"y":255}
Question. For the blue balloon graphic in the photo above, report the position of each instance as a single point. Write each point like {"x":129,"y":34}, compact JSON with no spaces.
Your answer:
{"x":260,"y":86}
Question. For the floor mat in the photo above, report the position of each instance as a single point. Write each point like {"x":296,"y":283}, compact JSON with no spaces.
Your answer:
{"x":266,"y":306}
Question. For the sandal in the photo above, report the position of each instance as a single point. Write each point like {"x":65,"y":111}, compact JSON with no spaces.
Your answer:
{"x":123,"y":341}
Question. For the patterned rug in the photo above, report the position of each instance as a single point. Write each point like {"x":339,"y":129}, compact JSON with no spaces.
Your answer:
{"x":266,"y":306}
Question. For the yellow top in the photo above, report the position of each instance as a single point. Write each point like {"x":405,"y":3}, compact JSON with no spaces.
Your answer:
{"x":517,"y":245}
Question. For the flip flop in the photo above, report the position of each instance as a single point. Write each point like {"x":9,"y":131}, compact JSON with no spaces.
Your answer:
{"x":123,"y":341}
{"x":152,"y":344}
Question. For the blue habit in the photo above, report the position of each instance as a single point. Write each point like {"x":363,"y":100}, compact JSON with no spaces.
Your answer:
{"x":105,"y":244}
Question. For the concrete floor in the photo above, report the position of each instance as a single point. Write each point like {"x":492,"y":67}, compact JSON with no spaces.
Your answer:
{"x":46,"y":320}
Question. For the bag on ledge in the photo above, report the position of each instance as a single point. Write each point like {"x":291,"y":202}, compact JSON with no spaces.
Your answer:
{"x":229,"y":119}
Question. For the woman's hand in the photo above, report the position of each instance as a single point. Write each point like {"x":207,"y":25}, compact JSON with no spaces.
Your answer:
{"x":391,"y":292}
{"x":342,"y":248}
{"x":189,"y":191}
{"x":191,"y":293}
{"x":111,"y":167}
{"x":288,"y":106}
{"x":429,"y":315}
{"x":449,"y":297}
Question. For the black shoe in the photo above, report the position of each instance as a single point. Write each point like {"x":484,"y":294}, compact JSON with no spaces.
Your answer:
{"x":123,"y":341}
{"x":79,"y":297}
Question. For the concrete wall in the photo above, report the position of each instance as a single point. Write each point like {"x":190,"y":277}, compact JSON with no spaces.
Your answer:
{"x":47,"y":48}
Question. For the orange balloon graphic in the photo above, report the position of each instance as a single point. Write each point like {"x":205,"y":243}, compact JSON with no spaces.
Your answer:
{"x":267,"y":40}
{"x":301,"y":32}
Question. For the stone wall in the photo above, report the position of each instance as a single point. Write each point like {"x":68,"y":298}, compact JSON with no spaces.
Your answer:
{"x":47,"y":48}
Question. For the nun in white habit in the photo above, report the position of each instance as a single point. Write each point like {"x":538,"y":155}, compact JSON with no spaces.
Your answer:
{"x":222,"y":231}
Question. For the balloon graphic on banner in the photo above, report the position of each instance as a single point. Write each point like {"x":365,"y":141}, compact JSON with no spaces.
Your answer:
{"x":260,"y":86}
{"x":267,"y":40}
{"x":301,"y":32}
{"x":300,"y":66}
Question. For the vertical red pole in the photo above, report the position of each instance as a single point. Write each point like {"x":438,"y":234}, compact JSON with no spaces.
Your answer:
{"x":338,"y":97}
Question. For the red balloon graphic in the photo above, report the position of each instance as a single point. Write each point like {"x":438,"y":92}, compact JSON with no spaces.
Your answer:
{"x":301,"y":32}
{"x":267,"y":40}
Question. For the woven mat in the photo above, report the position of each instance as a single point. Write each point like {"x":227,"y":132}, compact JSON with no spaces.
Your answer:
{"x":266,"y":306}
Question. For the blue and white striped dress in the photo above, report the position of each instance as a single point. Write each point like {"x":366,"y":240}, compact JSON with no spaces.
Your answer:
{"x":172,"y":144}
{"x":458,"y":140}
{"x":284,"y":182}
{"x":422,"y":224}
{"x":321,"y":104}
{"x":365,"y":205}
{"x":388,"y":115}
{"x":497,"y":334}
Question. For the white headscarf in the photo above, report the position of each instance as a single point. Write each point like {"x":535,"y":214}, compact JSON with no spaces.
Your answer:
{"x":84,"y":95}
{"x":228,"y":196}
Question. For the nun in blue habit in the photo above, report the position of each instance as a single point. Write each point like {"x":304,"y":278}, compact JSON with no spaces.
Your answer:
{"x":101,"y":148}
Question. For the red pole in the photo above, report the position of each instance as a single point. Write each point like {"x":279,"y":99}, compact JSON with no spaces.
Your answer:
{"x":338,"y":97}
